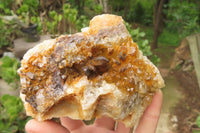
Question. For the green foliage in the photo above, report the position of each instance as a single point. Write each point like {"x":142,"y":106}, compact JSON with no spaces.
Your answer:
{"x":198,"y":121}
{"x":136,"y":13}
{"x":53,"y":24}
{"x":23,"y":8}
{"x":70,"y":17}
{"x":5,"y":6}
{"x":98,"y":8}
{"x":198,"y":125}
{"x":5,"y":34}
{"x":183,"y":17}
{"x":155,"y":59}
{"x":139,"y":11}
{"x":35,"y":20}
{"x":149,"y":32}
{"x":191,"y":26}
{"x":28,"y":9}
{"x":8,"y":70}
{"x":138,"y":37}
{"x":148,"y":7}
{"x":12,"y":117}
{"x":82,"y":22}
{"x":118,"y":5}
{"x":70,"y":14}
{"x":143,"y":44}
{"x":166,"y":38}
{"x":169,"y":38}
{"x":30,"y":6}
{"x":145,"y":47}
{"x":54,"y":15}
{"x":195,"y":131}
{"x":136,"y":34}
{"x":8,"y":32}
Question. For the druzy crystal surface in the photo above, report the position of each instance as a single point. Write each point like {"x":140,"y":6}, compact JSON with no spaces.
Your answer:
{"x":99,"y":71}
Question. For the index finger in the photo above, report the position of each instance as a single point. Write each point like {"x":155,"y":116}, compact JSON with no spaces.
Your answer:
{"x":34,"y":126}
{"x":149,"y":120}
{"x":71,"y":124}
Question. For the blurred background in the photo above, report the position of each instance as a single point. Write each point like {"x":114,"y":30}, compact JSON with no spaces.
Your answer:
{"x":167,"y":31}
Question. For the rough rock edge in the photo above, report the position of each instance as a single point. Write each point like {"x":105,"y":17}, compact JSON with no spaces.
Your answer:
{"x":129,"y":119}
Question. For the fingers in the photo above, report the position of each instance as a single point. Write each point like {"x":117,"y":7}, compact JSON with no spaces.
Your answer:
{"x":149,"y":120}
{"x":94,"y":129}
{"x":105,"y":122}
{"x":71,"y":124}
{"x":121,"y":128}
{"x":34,"y":126}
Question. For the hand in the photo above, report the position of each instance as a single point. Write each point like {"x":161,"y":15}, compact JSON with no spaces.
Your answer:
{"x":147,"y":124}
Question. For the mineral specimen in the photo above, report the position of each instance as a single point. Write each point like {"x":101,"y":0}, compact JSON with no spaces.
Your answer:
{"x":97,"y":72}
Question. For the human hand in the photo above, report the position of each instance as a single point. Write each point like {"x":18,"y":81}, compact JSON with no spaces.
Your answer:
{"x":147,"y":124}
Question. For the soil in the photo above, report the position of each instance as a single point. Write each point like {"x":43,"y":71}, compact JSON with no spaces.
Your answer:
{"x":7,"y":89}
{"x":188,"y":108}
{"x":181,"y":104}
{"x":171,"y":93}
{"x":171,"y":96}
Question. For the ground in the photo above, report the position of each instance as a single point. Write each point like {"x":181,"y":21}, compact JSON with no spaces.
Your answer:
{"x":181,"y":104}
{"x":7,"y":89}
{"x":171,"y":93}
{"x":188,"y":108}
{"x":170,"y":98}
{"x":181,"y":95}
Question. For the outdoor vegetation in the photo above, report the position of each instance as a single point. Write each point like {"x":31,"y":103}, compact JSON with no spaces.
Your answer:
{"x":158,"y":26}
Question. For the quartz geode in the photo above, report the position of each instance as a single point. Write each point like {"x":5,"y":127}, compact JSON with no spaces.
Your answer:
{"x":97,"y":72}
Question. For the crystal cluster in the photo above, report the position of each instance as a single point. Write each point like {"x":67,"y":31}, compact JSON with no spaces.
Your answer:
{"x":97,"y":72}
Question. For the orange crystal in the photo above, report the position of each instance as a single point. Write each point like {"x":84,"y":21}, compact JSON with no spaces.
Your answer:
{"x":70,"y":67}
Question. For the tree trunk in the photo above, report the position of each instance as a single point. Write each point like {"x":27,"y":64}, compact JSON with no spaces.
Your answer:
{"x":78,"y":3}
{"x":101,"y":2}
{"x":158,"y":18}
{"x":104,"y":4}
{"x":83,"y":4}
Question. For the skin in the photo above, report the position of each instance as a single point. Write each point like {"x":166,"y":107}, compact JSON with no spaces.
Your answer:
{"x":147,"y":124}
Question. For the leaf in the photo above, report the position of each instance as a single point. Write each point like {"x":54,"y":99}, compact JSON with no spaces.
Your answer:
{"x":12,"y":104}
{"x":136,"y":31}
{"x":198,"y":121}
{"x":141,"y":34}
{"x":8,"y":69}
{"x":7,"y":11}
{"x":12,"y":129}
{"x":24,"y":8}
{"x":98,"y":8}
{"x":52,"y":14}
{"x":59,"y":17}
{"x":2,"y":6}
{"x":4,"y":126}
{"x":13,"y":107}
{"x":34,"y":19}
{"x":66,"y":6}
